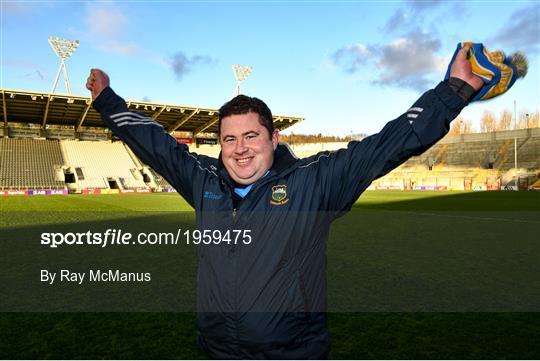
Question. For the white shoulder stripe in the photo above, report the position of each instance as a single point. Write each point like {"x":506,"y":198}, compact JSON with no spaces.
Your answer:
{"x":327,"y":155}
{"x":199,"y":164}
{"x":412,"y":115}
{"x":139,"y":123}
{"x":136,"y":115}
{"x":289,"y":149}
{"x":416,"y":109}
{"x":118,"y":120}
{"x":130,"y":116}
{"x":120,"y":114}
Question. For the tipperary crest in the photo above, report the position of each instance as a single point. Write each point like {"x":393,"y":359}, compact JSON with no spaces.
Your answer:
{"x":279,"y":195}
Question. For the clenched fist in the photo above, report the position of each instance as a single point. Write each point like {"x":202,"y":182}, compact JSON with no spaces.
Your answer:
{"x":96,"y":82}
{"x":461,"y":68}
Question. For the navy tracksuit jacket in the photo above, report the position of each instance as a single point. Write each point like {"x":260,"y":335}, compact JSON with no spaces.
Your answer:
{"x":267,"y":299}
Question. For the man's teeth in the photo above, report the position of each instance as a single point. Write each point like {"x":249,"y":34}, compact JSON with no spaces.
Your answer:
{"x":244,"y":160}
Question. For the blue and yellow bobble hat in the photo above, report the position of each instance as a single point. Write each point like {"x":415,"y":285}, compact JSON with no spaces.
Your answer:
{"x":497,"y":71}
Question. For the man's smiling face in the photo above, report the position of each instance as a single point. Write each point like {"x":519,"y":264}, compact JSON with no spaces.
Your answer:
{"x":247,"y":150}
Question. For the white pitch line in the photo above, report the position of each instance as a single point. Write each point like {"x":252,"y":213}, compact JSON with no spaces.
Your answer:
{"x":466,"y":217}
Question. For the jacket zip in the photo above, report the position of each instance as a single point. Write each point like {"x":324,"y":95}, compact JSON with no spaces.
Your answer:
{"x":235,"y":319}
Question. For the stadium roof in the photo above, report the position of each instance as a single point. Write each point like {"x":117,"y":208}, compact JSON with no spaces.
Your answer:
{"x":20,"y":106}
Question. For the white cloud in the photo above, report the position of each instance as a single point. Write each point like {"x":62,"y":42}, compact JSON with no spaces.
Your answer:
{"x":106,"y":26}
{"x":181,"y":64}
{"x":396,"y":21}
{"x":15,"y":8}
{"x":121,"y":48}
{"x":415,"y":13}
{"x":405,"y":62}
{"x":105,"y":20}
{"x":351,"y":57}
{"x":409,"y":61}
{"x":521,"y":30}
{"x":420,"y":6}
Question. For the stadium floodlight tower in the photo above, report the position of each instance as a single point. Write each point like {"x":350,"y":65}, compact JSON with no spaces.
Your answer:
{"x":241,"y":72}
{"x":63,"y":48}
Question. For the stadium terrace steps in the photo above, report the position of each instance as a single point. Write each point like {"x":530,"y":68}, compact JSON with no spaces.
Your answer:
{"x":160,"y":181}
{"x":209,"y":150}
{"x":30,"y":164}
{"x":485,"y":150}
{"x":101,"y":164}
{"x":454,"y":162}
{"x":157,"y":180}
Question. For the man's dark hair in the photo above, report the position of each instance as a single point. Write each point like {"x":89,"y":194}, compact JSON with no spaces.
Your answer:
{"x":242,"y":104}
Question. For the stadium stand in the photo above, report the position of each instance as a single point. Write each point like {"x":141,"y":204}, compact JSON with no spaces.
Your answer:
{"x":308,"y":149}
{"x":481,"y":161}
{"x":300,"y":150}
{"x":81,"y":156}
{"x":484,"y":150}
{"x":160,"y":182}
{"x":205,"y":149}
{"x":30,"y":164}
{"x":105,"y":165}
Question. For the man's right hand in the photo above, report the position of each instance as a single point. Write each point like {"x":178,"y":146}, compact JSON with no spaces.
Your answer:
{"x":96,"y":82}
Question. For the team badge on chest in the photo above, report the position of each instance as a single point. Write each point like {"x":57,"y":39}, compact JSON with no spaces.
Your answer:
{"x":279,"y":195}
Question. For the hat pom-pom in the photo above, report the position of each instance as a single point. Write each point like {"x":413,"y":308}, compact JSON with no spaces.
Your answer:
{"x":519,"y":61}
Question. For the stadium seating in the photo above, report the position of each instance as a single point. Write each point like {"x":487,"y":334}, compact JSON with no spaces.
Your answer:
{"x":308,"y":149}
{"x":467,"y":161}
{"x":102,"y":164}
{"x":209,"y":150}
{"x":30,"y":164}
{"x":159,"y":180}
{"x":485,"y":150}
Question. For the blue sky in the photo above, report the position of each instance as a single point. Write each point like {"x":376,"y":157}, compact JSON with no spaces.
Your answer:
{"x":345,"y":67}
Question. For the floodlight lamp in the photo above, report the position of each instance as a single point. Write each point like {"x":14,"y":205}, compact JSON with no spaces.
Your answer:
{"x":241,"y":72}
{"x":62,"y":47}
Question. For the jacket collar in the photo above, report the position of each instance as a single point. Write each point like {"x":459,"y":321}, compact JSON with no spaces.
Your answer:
{"x":284,"y":159}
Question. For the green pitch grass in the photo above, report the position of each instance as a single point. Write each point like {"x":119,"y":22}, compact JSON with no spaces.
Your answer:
{"x":405,"y":270}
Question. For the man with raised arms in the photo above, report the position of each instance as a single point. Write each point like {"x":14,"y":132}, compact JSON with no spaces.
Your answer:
{"x":267,"y":299}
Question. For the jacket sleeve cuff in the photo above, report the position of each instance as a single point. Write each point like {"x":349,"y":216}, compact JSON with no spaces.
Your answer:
{"x":450,"y":97}
{"x":106,"y":97}
{"x":462,"y":88}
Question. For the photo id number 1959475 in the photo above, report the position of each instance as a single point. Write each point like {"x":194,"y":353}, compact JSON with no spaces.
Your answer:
{"x":208,"y":236}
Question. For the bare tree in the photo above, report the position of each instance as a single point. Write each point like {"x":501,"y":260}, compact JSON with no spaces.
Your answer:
{"x":461,"y":126}
{"x":467,"y":127}
{"x":455,"y":128}
{"x":505,"y":121}
{"x":534,"y":120}
{"x":528,"y":120}
{"x":487,"y":122}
